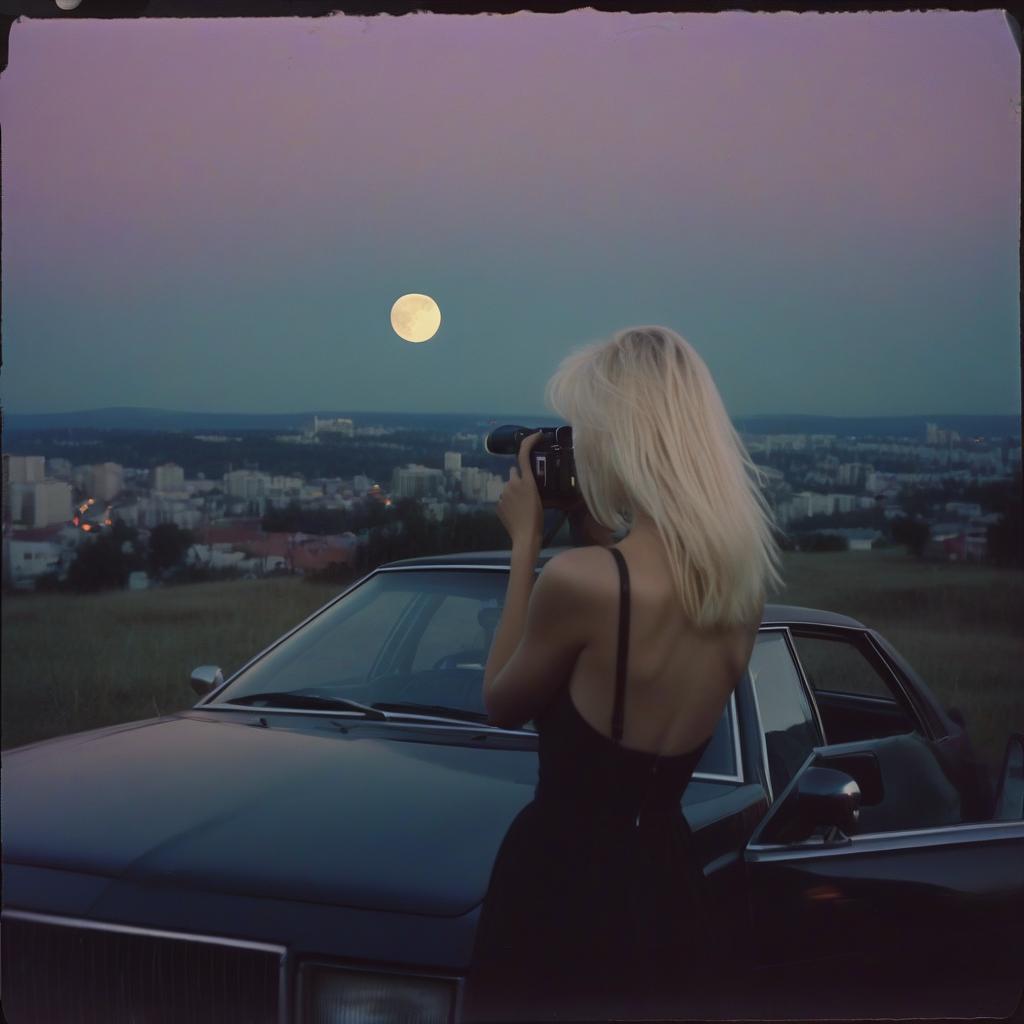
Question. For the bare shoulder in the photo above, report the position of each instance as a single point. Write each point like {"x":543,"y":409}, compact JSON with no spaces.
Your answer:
{"x":576,"y":580}
{"x":578,"y":568}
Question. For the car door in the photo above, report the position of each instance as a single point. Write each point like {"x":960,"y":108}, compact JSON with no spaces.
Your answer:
{"x":918,"y":913}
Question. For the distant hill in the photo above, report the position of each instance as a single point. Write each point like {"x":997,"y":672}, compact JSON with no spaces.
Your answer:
{"x":137,"y":419}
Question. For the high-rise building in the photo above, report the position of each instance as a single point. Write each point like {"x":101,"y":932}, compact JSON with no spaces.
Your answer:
{"x":471,"y":483}
{"x":452,"y":462}
{"x":41,"y":503}
{"x":168,"y":477}
{"x":58,"y":469}
{"x":24,"y":469}
{"x":246,"y":483}
{"x":415,"y":481}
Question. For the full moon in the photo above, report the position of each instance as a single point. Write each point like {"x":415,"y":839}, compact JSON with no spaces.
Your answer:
{"x":415,"y":317}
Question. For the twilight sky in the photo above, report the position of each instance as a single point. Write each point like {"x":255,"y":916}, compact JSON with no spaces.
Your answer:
{"x":218,"y":214}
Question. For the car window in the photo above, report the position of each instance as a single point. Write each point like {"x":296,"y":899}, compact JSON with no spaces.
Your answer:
{"x":790,"y":729}
{"x":454,"y":629}
{"x":338,"y":646}
{"x":832,"y":664}
{"x":855,"y":696}
{"x":720,"y":756}
{"x":362,"y":646}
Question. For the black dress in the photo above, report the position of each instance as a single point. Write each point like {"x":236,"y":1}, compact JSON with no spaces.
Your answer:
{"x":596,"y":907}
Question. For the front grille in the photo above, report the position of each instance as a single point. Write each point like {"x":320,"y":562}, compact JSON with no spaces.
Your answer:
{"x":71,"y":974}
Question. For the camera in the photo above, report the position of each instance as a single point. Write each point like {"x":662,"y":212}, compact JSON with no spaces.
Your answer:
{"x":551,"y":460}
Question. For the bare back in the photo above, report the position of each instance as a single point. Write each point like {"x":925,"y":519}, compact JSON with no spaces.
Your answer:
{"x":678,"y":678}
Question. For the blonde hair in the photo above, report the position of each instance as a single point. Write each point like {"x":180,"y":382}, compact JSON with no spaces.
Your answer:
{"x":651,"y":435}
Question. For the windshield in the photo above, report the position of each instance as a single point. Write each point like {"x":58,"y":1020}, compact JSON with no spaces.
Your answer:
{"x":413,"y":641}
{"x":401,"y":637}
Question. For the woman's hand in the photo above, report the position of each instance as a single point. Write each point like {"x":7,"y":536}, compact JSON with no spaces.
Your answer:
{"x":519,"y":507}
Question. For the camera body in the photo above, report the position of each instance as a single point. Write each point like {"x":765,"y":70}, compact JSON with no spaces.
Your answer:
{"x":551,"y":460}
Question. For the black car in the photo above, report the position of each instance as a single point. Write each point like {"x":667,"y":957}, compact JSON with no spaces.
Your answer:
{"x":313,"y":840}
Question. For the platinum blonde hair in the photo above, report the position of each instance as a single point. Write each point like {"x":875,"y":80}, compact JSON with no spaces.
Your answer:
{"x":652,"y":436}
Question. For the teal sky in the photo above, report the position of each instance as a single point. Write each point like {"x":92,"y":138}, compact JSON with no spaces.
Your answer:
{"x":218,"y":214}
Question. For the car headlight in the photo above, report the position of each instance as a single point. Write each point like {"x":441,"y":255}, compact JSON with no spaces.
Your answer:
{"x":341,"y":996}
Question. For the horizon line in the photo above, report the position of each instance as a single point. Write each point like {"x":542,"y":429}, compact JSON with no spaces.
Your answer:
{"x":482,"y":414}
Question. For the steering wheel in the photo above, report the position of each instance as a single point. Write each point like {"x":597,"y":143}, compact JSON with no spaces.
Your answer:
{"x":465,"y":658}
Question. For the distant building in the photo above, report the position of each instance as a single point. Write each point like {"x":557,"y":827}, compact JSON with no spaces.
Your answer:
{"x":415,"y":481}
{"x":472,"y":482}
{"x":810,"y":503}
{"x":286,"y":483}
{"x":965,"y":509}
{"x":852,"y":474}
{"x":952,"y":542}
{"x":453,"y":462}
{"x":169,"y":477}
{"x":856,"y":539}
{"x":845,"y":502}
{"x":246,"y":483}
{"x":52,"y":500}
{"x":332,"y":426}
{"x":58,"y":469}
{"x":24,"y":561}
{"x":876,"y":482}
{"x":40,"y":503}
{"x":158,"y":509}
{"x":19,"y":469}
{"x":24,"y":469}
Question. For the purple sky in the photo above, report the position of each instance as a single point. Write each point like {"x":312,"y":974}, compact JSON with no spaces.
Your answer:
{"x":219,"y":214}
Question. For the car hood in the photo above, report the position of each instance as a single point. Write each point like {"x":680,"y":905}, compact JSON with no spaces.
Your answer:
{"x":296,"y":810}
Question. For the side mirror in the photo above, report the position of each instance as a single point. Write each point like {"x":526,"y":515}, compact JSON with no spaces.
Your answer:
{"x":206,"y":678}
{"x":1009,"y":805}
{"x":820,"y":797}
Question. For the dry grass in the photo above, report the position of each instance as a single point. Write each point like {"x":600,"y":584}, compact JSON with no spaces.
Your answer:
{"x":74,"y":663}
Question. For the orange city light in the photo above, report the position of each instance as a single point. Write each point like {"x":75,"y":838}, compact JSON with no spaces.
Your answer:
{"x":86,"y":527}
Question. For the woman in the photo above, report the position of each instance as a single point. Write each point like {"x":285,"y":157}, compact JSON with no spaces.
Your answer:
{"x":625,"y":655}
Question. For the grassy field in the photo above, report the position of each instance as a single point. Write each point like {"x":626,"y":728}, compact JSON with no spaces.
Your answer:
{"x":74,"y":663}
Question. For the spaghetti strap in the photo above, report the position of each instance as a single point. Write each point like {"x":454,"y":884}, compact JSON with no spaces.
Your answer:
{"x":620,"y":667}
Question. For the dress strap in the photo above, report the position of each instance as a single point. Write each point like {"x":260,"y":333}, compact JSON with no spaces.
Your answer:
{"x":620,"y":666}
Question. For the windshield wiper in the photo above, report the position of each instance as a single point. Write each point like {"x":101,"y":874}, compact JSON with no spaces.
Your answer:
{"x":435,"y":710}
{"x":291,"y":699}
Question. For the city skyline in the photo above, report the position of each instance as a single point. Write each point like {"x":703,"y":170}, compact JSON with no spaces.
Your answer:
{"x":826,"y":206}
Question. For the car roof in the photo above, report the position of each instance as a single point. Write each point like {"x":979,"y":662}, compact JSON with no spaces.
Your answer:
{"x":499,"y":559}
